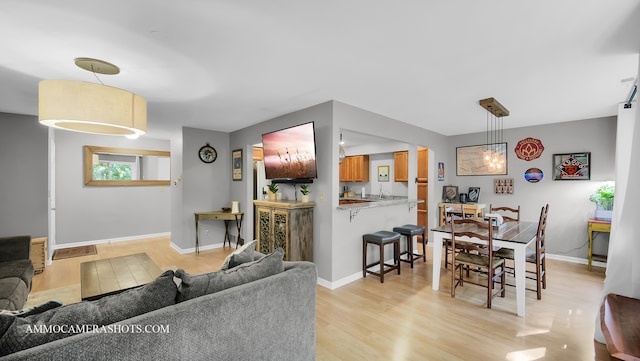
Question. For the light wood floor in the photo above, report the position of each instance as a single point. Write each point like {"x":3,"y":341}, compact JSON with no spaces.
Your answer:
{"x":404,"y":319}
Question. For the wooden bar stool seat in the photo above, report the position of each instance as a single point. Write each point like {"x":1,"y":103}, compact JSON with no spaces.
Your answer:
{"x":381,"y":239}
{"x":410,"y":230}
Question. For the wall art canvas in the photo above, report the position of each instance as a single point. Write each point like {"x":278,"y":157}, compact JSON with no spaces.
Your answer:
{"x":572,"y":166}
{"x":236,"y":163}
{"x":470,"y":161}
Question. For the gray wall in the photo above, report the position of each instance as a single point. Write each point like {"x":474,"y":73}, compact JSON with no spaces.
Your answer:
{"x":569,"y":205}
{"x":321,"y":114}
{"x":23,"y":184}
{"x":97,"y":214}
{"x":199,"y":187}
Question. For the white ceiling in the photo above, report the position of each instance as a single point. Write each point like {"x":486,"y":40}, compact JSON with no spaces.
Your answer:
{"x":227,"y":64}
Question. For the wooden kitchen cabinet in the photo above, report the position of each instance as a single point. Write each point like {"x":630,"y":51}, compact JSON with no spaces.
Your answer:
{"x":355,"y":168}
{"x":423,"y":164}
{"x":285,"y":224}
{"x":401,"y":166}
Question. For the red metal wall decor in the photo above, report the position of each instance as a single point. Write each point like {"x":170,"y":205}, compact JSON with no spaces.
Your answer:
{"x":529,"y":148}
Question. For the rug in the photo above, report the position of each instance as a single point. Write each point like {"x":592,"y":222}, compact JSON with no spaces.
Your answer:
{"x":75,"y":252}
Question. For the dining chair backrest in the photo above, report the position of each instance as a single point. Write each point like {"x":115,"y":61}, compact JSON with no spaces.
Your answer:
{"x":507,"y":213}
{"x":542,"y":229}
{"x":488,"y":236}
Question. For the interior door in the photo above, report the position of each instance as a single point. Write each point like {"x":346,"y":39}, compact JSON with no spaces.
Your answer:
{"x":423,"y":186}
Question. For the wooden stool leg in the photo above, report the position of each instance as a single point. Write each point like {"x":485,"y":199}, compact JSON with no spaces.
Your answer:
{"x":364,"y":258}
{"x":410,"y":248}
{"x":424,"y":247}
{"x":381,"y":263}
{"x":396,"y":253}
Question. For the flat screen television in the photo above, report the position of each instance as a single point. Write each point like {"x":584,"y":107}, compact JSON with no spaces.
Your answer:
{"x":290,"y":154}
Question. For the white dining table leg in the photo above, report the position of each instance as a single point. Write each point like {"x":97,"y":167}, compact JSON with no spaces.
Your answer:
{"x":520,"y":269}
{"x":437,"y":259}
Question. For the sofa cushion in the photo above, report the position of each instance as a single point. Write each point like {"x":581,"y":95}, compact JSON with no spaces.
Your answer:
{"x":13,"y":293}
{"x":242,"y":255}
{"x":193,"y":286}
{"x":22,"y":268}
{"x":33,"y":310}
{"x":19,"y":333}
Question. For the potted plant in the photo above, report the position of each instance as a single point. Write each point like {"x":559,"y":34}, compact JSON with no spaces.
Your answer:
{"x":273,"y":191}
{"x":304,"y":189}
{"x":603,"y":198}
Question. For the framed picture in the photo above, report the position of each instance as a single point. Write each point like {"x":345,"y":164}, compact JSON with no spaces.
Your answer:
{"x":469,"y":160}
{"x":449,"y":194}
{"x":236,"y":163}
{"x":474,"y":194}
{"x":503,"y":185}
{"x":383,"y":173}
{"x":572,"y":166}
{"x":440,"y":171}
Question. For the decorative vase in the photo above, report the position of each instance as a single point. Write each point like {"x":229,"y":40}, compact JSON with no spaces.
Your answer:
{"x":304,"y":198}
{"x":235,"y":207}
{"x":272,"y":196}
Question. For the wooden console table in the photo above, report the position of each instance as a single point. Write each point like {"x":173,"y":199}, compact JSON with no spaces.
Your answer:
{"x":222,"y":216}
{"x":475,"y":208}
{"x":596,"y":225}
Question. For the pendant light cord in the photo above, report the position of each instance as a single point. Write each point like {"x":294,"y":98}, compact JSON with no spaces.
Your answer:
{"x":96,"y":75}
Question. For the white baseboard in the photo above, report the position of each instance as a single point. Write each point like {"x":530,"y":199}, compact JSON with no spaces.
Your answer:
{"x":356,"y":276}
{"x":193,"y":249}
{"x":110,"y":240}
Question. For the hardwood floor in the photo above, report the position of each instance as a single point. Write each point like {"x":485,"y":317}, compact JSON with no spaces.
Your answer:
{"x":404,"y":319}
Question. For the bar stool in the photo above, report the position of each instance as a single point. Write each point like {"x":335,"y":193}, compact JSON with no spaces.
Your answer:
{"x":381,"y":239}
{"x":410,"y":230}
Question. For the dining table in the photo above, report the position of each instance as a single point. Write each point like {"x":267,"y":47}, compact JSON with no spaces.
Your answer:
{"x":514,"y":235}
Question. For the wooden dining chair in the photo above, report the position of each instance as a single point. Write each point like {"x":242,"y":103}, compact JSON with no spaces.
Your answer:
{"x":534,"y":256}
{"x":507,"y":213}
{"x":480,"y":259}
{"x":451,"y":213}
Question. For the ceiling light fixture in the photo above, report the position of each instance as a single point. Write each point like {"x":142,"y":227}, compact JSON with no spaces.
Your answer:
{"x":494,"y":156}
{"x":89,"y":107}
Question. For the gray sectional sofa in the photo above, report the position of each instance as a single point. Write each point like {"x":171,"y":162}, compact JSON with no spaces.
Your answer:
{"x":16,"y":271}
{"x":247,"y":317}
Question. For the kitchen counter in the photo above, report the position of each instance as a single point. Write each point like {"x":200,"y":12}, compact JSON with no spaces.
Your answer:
{"x":373,"y":201}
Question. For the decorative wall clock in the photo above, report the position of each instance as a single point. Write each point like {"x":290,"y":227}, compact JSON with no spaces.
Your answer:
{"x":208,"y":154}
{"x":529,"y":149}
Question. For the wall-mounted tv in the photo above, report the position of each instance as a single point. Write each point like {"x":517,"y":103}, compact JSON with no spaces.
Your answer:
{"x":290,"y":154}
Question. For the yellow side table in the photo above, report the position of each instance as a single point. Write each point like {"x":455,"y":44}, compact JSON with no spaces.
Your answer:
{"x":597,"y":225}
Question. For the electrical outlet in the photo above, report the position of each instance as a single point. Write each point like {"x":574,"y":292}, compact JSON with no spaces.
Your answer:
{"x":321,"y":197}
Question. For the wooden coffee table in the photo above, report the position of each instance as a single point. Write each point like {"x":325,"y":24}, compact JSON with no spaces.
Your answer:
{"x":114,"y":275}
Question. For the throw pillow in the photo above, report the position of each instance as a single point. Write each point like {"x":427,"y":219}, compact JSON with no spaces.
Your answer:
{"x":19,"y":333}
{"x":239,"y":256}
{"x":193,"y":286}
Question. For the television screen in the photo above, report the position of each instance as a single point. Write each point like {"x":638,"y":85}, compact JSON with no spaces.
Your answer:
{"x":290,"y":154}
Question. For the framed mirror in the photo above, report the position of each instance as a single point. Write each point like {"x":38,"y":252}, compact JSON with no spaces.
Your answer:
{"x":108,"y":166}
